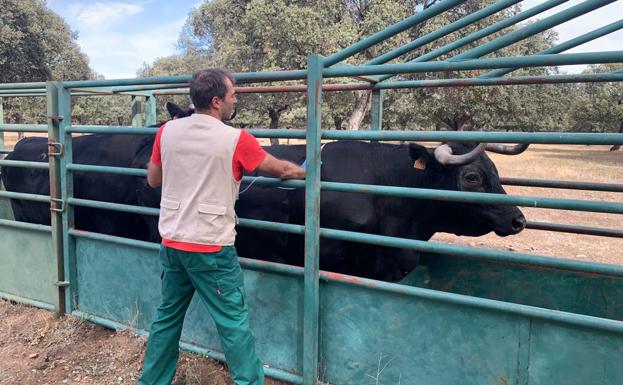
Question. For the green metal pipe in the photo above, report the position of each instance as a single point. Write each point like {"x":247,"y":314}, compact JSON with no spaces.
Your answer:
{"x":106,"y":169}
{"x":28,"y":301}
{"x":22,"y":86}
{"x":474,"y":252}
{"x":474,"y":64}
{"x":25,"y":225}
{"x":532,"y":29}
{"x":590,"y":36}
{"x":113,"y":206}
{"x":513,"y":20}
{"x":502,"y":81}
{"x":311,"y":285}
{"x":113,"y":239}
{"x":25,"y":196}
{"x":40,"y":91}
{"x":575,"y":229}
{"x":111,"y":130}
{"x":445,"y":136}
{"x":244,"y":77}
{"x":23,"y":128}
{"x":24,"y":164}
{"x":563,"y":184}
{"x":391,"y":31}
{"x":441,"y":32}
{"x":20,"y":95}
{"x":557,"y":316}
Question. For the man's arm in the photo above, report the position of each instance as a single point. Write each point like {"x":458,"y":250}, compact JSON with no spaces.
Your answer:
{"x":281,"y":168}
{"x":154,"y":175}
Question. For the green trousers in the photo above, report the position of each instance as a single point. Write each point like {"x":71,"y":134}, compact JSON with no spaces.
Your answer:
{"x":218,"y":280}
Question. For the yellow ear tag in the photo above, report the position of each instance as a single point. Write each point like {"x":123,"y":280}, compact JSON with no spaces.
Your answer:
{"x":419,"y":164}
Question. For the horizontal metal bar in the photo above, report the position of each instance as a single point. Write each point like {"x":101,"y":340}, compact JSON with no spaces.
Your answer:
{"x":5,"y":151}
{"x":474,"y":64}
{"x":562,"y":184}
{"x":22,"y":86}
{"x":114,"y":239}
{"x":575,"y":229}
{"x":22,"y":95}
{"x":557,"y":316}
{"x":23,"y":128}
{"x":111,"y":130}
{"x":501,"y":81}
{"x":28,"y":301}
{"x":474,"y":252}
{"x":106,"y":169}
{"x":28,"y":197}
{"x":444,"y":136}
{"x":113,"y":206}
{"x":457,"y":196}
{"x":25,"y":225}
{"x":241,"y":77}
{"x":24,"y":164}
{"x":428,"y":38}
{"x":391,"y":31}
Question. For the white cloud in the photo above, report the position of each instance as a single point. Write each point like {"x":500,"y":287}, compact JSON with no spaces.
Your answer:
{"x":119,"y":54}
{"x":101,"y":14}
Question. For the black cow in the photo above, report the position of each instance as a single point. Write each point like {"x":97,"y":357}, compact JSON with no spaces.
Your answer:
{"x":99,"y":149}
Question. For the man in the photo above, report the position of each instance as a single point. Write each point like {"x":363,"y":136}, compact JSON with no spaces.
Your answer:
{"x":199,"y":161}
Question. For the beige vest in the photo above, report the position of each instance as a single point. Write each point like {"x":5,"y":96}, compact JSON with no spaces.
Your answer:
{"x":198,"y":186}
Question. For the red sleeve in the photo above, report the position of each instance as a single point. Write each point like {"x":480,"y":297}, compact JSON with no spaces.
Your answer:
{"x":248,"y":154}
{"x":155,"y":152}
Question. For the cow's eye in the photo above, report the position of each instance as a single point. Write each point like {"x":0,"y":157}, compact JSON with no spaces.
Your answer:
{"x":472,"y":178}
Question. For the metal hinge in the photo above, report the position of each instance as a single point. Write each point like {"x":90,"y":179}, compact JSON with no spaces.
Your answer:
{"x":57,"y":205}
{"x":55,"y":149}
{"x":58,"y":118}
{"x":61,"y":283}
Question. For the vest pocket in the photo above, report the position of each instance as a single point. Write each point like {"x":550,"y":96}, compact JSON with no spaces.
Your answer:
{"x":169,"y":208}
{"x":212,"y":219}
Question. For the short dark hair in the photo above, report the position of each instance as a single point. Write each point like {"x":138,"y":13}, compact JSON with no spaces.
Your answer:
{"x":208,"y":83}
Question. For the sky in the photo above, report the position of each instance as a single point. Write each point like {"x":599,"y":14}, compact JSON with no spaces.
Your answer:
{"x":120,"y":36}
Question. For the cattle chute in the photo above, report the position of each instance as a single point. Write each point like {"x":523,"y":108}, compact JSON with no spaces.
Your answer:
{"x":436,"y":337}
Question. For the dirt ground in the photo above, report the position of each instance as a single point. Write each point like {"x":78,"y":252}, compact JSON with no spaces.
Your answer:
{"x":36,"y":348}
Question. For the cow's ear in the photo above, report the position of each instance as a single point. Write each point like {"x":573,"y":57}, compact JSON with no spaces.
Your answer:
{"x":174,"y":110}
{"x":420,"y":155}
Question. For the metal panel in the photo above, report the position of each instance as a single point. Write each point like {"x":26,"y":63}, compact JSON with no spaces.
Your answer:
{"x":28,"y":265}
{"x":586,"y":293}
{"x":122,"y":283}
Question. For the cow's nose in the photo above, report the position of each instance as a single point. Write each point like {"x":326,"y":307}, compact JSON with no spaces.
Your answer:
{"x":518,"y":223}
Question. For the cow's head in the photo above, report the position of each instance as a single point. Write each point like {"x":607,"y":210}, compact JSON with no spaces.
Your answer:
{"x":466,"y":167}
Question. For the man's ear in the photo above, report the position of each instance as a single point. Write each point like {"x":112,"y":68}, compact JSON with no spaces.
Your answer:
{"x":420,"y":155}
{"x":174,"y":110}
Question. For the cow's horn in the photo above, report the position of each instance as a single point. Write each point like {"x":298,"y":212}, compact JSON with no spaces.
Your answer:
{"x":507,"y":149}
{"x":444,"y":155}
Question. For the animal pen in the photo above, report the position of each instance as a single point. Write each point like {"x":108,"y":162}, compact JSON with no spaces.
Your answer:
{"x":466,"y":315}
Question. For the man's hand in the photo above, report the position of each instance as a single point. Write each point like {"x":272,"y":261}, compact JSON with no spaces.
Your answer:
{"x":281,"y":168}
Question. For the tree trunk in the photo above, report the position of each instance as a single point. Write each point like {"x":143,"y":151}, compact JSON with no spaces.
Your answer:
{"x":616,"y":147}
{"x":362,"y":107}
{"x":337,"y":122}
{"x":274,"y":114}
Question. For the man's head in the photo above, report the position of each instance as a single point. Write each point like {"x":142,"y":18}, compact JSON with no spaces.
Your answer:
{"x":212,"y":92}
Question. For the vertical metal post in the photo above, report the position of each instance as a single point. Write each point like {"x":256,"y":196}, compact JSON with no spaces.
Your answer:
{"x":55,"y":191}
{"x":1,"y":122}
{"x":137,"y":111}
{"x":151,"y":113}
{"x":376,"y":111}
{"x":311,"y":319}
{"x":67,"y":191}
